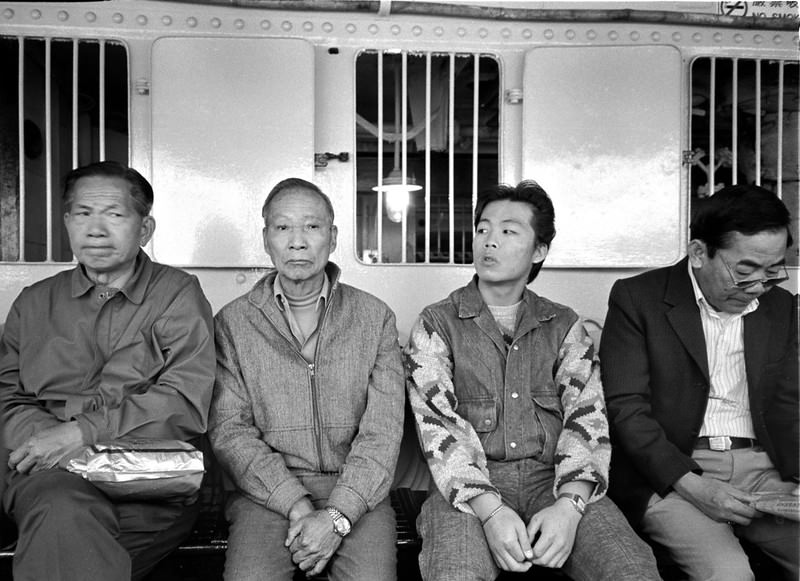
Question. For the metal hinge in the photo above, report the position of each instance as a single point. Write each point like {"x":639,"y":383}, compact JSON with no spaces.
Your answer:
{"x":321,"y":159}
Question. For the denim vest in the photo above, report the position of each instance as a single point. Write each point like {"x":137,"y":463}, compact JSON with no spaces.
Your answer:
{"x":508,"y":393}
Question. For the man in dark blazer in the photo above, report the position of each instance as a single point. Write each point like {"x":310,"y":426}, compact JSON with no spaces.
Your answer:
{"x":700,"y":370}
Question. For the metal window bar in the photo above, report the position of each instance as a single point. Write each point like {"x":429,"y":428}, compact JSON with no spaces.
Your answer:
{"x":48,"y":96}
{"x":712,"y":124}
{"x":735,"y":122}
{"x":379,"y":204}
{"x":779,"y":161}
{"x":102,"y":99}
{"x":427,"y":157}
{"x":758,"y":123}
{"x":404,"y":162}
{"x":476,"y":86}
{"x":21,"y":141}
{"x":451,"y":159}
{"x":75,"y":69}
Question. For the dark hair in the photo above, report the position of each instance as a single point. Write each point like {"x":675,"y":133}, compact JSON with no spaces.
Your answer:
{"x":290,"y":183}
{"x":529,"y":192}
{"x":140,"y":189}
{"x":746,"y":209}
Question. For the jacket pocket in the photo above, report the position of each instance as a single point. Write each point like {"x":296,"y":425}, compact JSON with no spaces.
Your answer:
{"x":549,"y":403}
{"x":550,"y":421}
{"x":481,"y":413}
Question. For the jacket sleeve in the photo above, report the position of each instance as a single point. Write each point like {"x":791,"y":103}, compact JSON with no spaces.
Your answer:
{"x":258,"y":472}
{"x":22,"y":413}
{"x":450,"y":444}
{"x":583,"y":451}
{"x":176,"y":404}
{"x":369,"y":467}
{"x":627,"y":384}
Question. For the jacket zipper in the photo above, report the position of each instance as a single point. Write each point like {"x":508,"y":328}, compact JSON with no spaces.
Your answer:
{"x":312,"y":375}
{"x":315,"y":411}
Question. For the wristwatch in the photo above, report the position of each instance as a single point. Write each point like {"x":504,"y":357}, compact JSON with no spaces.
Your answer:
{"x":341,"y":524}
{"x":576,"y":500}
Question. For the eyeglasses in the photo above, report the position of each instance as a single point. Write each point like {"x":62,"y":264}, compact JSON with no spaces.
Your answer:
{"x":767,"y":283}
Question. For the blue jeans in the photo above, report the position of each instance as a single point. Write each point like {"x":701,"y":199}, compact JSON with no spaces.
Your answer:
{"x":256,"y":551}
{"x":454,"y":546}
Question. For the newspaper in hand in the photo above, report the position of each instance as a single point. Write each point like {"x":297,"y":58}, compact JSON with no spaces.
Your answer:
{"x":783,"y":504}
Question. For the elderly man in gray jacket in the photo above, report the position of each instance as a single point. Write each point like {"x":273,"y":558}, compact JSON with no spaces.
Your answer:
{"x":308,"y":407}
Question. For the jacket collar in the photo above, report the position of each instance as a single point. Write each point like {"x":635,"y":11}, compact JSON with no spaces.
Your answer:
{"x":684,"y":316}
{"x":534,"y":310}
{"x":685,"y":320}
{"x":263,"y":293}
{"x":135,"y":289}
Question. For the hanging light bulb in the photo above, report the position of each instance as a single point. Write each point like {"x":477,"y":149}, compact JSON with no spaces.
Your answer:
{"x":397,"y":191}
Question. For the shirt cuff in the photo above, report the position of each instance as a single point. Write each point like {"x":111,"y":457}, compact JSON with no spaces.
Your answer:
{"x":285,"y":495}
{"x":348,"y":503}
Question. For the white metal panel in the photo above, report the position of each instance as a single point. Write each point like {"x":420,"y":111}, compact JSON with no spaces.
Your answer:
{"x":602,"y":137}
{"x":231,"y":117}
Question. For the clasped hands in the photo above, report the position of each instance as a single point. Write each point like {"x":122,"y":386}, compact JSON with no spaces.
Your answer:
{"x":311,"y":538}
{"x":546,"y":541}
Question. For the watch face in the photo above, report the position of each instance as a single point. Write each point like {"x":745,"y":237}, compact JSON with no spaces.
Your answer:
{"x":342,"y":525}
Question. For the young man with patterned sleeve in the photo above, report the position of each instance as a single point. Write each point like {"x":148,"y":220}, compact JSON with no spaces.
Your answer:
{"x":506,"y":392}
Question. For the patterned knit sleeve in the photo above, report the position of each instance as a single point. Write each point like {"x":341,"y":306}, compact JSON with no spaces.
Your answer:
{"x":584,"y":448}
{"x":451,"y":446}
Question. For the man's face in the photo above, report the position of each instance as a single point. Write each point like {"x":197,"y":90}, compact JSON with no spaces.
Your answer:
{"x":298,"y":235}
{"x":105,"y":231}
{"x":504,"y":246}
{"x":760,"y":256}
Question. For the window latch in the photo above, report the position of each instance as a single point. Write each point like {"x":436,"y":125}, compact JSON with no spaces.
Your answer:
{"x":321,"y":159}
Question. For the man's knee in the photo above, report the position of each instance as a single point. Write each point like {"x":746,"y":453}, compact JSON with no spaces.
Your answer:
{"x":58,"y":500}
{"x":453,"y":544}
{"x":607,"y":547}
{"x":730,"y":565}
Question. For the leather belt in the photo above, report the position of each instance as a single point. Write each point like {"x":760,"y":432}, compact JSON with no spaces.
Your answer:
{"x":723,"y":443}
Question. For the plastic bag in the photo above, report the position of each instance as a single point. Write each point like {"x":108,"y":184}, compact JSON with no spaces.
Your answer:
{"x":167,"y":470}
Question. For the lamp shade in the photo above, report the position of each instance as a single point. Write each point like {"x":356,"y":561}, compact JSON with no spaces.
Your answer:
{"x":397,"y":193}
{"x":394,"y":182}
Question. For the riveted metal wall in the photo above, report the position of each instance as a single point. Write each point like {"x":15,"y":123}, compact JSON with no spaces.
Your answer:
{"x":336,"y":38}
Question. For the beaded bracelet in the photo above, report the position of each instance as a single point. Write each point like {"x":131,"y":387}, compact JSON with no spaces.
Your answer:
{"x":494,"y":512}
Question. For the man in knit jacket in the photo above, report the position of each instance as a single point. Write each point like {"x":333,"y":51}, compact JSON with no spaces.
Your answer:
{"x":506,"y":392}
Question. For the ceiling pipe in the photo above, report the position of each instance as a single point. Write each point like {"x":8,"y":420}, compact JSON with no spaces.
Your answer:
{"x":415,"y":8}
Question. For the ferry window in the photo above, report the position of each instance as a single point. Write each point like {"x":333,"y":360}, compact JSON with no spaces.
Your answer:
{"x":744,"y":128}
{"x":427,"y":128}
{"x":63,"y":103}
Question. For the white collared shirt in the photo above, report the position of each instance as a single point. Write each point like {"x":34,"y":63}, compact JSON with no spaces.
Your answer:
{"x":728,"y":410}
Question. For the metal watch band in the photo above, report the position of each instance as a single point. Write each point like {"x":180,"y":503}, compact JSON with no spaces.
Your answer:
{"x":576,"y":500}
{"x":341,"y":524}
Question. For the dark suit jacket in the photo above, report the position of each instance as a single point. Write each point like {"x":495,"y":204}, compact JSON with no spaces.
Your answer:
{"x":655,"y":376}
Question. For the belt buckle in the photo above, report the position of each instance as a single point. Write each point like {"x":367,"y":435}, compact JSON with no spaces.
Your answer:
{"x":719,"y":443}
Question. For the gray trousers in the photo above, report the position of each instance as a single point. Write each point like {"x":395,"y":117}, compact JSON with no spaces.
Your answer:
{"x":69,"y":530}
{"x":256,"y":550}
